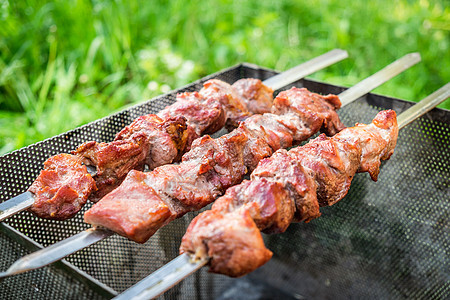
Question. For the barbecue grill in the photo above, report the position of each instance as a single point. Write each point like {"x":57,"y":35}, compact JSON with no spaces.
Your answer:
{"x":385,"y":240}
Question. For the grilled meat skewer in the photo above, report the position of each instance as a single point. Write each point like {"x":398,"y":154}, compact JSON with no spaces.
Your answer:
{"x":90,"y":236}
{"x":145,"y":202}
{"x":289,"y":186}
{"x":236,"y":218}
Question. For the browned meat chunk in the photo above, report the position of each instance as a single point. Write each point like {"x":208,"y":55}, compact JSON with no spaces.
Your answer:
{"x":116,"y":213}
{"x":204,"y":116}
{"x":62,"y":188}
{"x":258,"y":97}
{"x":276,"y":134}
{"x":223,"y":156}
{"x":332,"y":166}
{"x":371,"y":140}
{"x":183,"y":187}
{"x":233,"y":103}
{"x":112,"y":162}
{"x":317,"y":111}
{"x":285,"y":169}
{"x":267,"y":202}
{"x":256,"y":147}
{"x":232,"y":241}
{"x":163,"y":138}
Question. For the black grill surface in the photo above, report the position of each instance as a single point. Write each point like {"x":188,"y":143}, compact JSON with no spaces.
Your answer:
{"x":387,"y":239}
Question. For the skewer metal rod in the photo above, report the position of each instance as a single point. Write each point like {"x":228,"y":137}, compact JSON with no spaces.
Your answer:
{"x":296,"y":73}
{"x":424,"y":106}
{"x":372,"y":82}
{"x":53,"y":253}
{"x":163,"y":279}
{"x":25,"y":200}
{"x":16,"y":205}
{"x":144,"y":290}
{"x":65,"y":247}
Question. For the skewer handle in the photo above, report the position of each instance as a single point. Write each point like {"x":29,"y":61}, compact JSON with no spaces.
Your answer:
{"x":307,"y":68}
{"x":424,"y":106}
{"x":375,"y":80}
{"x":15,"y":205}
{"x":162,"y":279}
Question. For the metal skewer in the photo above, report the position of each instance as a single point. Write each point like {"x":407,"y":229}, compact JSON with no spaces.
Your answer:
{"x":424,"y":106}
{"x":64,"y":248}
{"x":52,"y":254}
{"x":307,"y":68}
{"x":173,"y":272}
{"x":25,"y":200}
{"x":177,"y":269}
{"x":372,"y":82}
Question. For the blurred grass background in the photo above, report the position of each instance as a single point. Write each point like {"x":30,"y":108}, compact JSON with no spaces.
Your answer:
{"x":65,"y":63}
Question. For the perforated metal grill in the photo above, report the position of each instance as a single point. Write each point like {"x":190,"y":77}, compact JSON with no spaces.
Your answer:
{"x":384,"y":240}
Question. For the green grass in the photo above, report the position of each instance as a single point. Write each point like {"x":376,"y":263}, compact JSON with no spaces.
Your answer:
{"x":65,"y":63}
